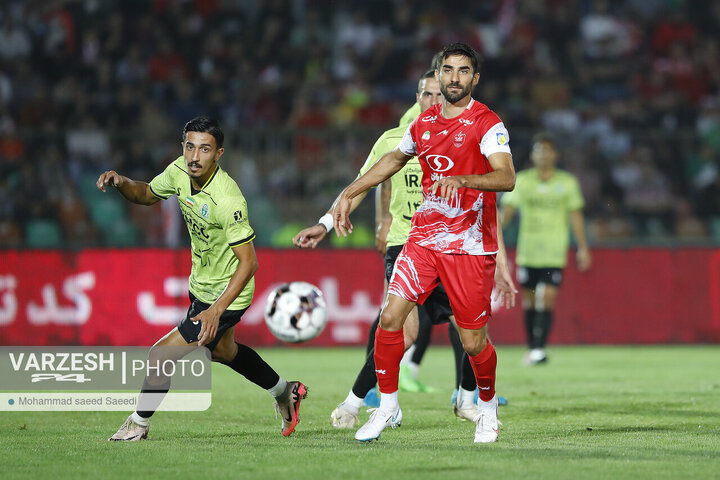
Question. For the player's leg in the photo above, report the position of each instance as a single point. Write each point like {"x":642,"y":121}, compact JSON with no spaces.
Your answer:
{"x":544,"y":305}
{"x":154,"y":387}
{"x":346,"y":413}
{"x":410,"y":363}
{"x":389,"y":349}
{"x":248,"y":363}
{"x":471,"y":306}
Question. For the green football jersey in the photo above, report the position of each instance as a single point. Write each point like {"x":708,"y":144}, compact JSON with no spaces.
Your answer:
{"x":217,"y":219}
{"x":410,"y":115}
{"x":544,"y":209}
{"x":406,"y":187}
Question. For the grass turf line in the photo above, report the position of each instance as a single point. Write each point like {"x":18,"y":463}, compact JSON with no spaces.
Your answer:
{"x":592,"y":412}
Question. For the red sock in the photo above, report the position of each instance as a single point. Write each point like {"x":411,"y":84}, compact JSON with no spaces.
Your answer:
{"x":389,"y":350}
{"x":484,"y":364}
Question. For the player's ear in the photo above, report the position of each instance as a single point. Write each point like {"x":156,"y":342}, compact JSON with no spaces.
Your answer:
{"x":476,"y":78}
{"x":219,"y":153}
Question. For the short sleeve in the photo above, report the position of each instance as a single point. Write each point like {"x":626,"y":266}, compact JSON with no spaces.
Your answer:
{"x":407,"y":145}
{"x":235,"y":222}
{"x":162,"y":186}
{"x":495,"y":140}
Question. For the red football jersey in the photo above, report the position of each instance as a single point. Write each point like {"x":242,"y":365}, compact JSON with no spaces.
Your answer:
{"x":467,"y":223}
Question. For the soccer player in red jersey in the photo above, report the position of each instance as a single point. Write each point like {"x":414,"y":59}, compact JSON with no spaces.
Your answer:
{"x":464,"y":153}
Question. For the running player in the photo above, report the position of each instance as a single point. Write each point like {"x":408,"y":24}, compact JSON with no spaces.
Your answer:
{"x":223,"y":265}
{"x":463,"y":150}
{"x":546,"y":198}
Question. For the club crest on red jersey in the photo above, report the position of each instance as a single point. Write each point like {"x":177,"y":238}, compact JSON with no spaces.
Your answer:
{"x":459,"y":139}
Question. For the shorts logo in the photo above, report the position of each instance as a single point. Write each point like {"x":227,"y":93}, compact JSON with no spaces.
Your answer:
{"x":439,"y":163}
{"x":429,"y":118}
{"x":205,"y":211}
{"x":501,"y":138}
{"x":459,"y":139}
{"x":426,"y":135}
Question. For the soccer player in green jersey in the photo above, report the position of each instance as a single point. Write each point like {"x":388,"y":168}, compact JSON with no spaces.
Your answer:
{"x":549,"y":200}
{"x":222,"y":276}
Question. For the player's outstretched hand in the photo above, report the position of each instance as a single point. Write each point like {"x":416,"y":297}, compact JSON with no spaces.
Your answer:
{"x":447,"y":187}
{"x":341,"y":216}
{"x":505,"y":290}
{"x":208,"y":326}
{"x":111,"y":178}
{"x":310,"y":237}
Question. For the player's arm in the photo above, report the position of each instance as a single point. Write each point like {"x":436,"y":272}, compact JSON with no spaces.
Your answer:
{"x":311,"y":236}
{"x":388,"y":165}
{"x":132,"y":190}
{"x":501,"y":179}
{"x":577,"y":224}
{"x":210,"y":318}
{"x":505,"y":289}
{"x":506,"y":214}
{"x":383,"y":219}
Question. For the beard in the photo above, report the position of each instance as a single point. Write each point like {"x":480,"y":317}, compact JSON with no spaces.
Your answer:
{"x":454,"y":97}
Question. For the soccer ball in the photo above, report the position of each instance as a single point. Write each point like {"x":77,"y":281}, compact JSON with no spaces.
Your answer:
{"x":296,"y":312}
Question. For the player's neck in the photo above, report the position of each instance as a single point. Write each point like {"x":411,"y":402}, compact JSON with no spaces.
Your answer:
{"x":452,"y":110}
{"x":545,"y":173}
{"x":199,"y":183}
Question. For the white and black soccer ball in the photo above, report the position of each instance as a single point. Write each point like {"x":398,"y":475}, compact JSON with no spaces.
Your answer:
{"x":296,"y":312}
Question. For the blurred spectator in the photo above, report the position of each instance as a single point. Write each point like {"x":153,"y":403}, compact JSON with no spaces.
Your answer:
{"x":632,"y":87}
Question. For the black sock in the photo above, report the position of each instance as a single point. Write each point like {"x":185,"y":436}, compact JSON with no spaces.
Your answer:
{"x":371,"y":335}
{"x":529,"y":323}
{"x":544,"y":321}
{"x":249,"y":364}
{"x":151,"y":396}
{"x":366,"y":379}
{"x":467,"y":382}
{"x":458,"y":352}
{"x":423,"y":338}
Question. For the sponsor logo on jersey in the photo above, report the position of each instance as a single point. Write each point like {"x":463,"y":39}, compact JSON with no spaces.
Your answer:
{"x":237,"y":215}
{"x":501,"y":138}
{"x":205,"y":211}
{"x":439,"y":163}
{"x":465,"y":121}
{"x":459,"y":139}
{"x":426,"y":135}
{"x":444,"y":132}
{"x":429,"y":118}
{"x":190,"y":201}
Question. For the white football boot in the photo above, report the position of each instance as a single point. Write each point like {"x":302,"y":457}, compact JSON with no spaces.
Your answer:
{"x":379,"y":419}
{"x":344,"y":417}
{"x":486,"y":421}
{"x":130,"y":432}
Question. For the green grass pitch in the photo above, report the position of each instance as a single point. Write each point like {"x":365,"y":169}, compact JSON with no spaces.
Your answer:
{"x":591,"y":412}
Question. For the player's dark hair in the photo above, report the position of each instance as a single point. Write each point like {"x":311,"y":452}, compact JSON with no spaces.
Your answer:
{"x":461,"y":49}
{"x":205,"y":124}
{"x":436,"y":62}
{"x":544,"y":137}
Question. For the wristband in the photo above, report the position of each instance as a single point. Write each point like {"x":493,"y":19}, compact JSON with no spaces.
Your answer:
{"x":327,"y":221}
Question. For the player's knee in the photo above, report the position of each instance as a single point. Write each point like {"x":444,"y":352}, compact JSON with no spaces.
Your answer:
{"x":475,"y":344}
{"x":390,"y":321}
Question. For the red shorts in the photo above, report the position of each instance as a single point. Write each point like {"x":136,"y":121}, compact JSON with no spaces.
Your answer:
{"x":468,"y":281}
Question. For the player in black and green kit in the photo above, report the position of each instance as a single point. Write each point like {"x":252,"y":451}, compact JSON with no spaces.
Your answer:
{"x":549,"y":200}
{"x":223,"y":267}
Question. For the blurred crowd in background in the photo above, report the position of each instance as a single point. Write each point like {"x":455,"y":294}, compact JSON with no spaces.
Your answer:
{"x":304,"y":87}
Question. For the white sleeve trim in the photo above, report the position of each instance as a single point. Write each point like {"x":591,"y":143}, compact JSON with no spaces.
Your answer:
{"x":407,"y":145}
{"x":496,"y":140}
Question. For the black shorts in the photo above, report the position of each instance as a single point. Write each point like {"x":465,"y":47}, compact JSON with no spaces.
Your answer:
{"x":529,"y":277}
{"x":437,"y":305}
{"x":190,"y":330}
